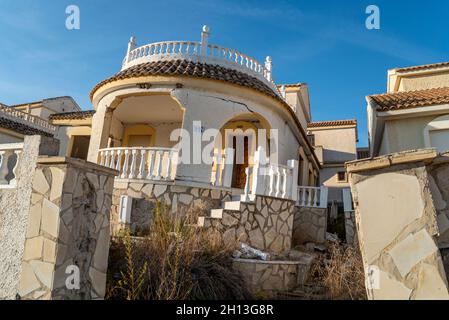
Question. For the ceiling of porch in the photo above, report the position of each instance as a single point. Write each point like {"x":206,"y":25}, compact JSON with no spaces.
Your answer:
{"x":146,"y":109}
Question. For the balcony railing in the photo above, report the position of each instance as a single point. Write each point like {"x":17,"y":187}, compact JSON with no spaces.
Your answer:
{"x":314,"y":197}
{"x":10,"y":156}
{"x":201,"y":52}
{"x":141,"y":163}
{"x":27,"y":119}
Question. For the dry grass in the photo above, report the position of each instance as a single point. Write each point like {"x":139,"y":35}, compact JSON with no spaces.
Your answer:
{"x":174,"y":261}
{"x":341,"y":273}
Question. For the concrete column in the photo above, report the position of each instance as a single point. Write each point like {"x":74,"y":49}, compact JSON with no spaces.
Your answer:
{"x":101,"y":125}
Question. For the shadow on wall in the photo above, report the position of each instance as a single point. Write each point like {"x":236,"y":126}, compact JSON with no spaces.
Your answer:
{"x":337,"y":156}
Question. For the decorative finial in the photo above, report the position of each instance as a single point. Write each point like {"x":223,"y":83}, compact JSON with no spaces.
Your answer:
{"x":204,"y":39}
{"x":269,"y":67}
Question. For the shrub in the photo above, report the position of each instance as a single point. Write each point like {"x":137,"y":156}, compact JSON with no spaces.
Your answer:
{"x":340,"y":271}
{"x":174,"y":261}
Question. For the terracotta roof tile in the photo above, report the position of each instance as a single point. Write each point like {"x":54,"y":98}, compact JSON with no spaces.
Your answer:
{"x":424,"y":67}
{"x":332,"y":123}
{"x":21,"y":128}
{"x":411,"y":99}
{"x":191,"y":69}
{"x":78,"y":115}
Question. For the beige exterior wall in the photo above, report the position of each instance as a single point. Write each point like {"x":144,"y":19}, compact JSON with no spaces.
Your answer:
{"x":404,"y":134}
{"x":424,"y":81}
{"x":6,"y":136}
{"x":50,"y":106}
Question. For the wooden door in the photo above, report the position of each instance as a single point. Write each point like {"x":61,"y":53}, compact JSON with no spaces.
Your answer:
{"x":239,"y":174}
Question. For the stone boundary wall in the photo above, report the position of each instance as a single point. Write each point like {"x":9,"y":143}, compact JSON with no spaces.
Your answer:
{"x":14,"y":208}
{"x":178,"y":198}
{"x":68,"y":225}
{"x":271,"y":277}
{"x":398,"y":212}
{"x":266,"y":224}
{"x":310,"y":225}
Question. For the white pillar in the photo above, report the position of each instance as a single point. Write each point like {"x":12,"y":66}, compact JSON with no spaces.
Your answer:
{"x":101,"y":124}
{"x":323,"y":196}
{"x":228,"y":167}
{"x":294,"y":165}
{"x":259,"y":172}
{"x":131,"y":46}
{"x":204,"y":40}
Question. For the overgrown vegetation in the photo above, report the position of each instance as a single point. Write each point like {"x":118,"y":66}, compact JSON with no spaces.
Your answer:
{"x":340,"y":272}
{"x":173,"y":261}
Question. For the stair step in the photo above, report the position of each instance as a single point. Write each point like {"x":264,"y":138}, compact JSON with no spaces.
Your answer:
{"x":232,"y":205}
{"x":236,"y":197}
{"x":216,"y":213}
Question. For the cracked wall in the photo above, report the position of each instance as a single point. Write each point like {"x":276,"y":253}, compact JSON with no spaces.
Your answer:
{"x":397,"y":225}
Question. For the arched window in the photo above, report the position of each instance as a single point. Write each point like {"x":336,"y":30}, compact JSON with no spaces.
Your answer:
{"x":436,"y":134}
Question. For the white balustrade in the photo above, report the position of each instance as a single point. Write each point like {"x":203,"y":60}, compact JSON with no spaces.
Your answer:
{"x":314,"y":197}
{"x":27,"y":119}
{"x":10,"y":157}
{"x":199,"y":52}
{"x":272,"y":180}
{"x":141,"y":163}
{"x":223,"y":164}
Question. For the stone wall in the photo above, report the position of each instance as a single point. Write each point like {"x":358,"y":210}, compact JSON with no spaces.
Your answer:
{"x":398,"y":218}
{"x":68,"y":225}
{"x":266,"y":224}
{"x":178,"y":198}
{"x":350,"y":228}
{"x":310,"y":225}
{"x":14,"y":208}
{"x":270,"y":277}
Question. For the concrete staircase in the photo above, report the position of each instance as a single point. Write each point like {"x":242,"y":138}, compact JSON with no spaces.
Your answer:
{"x":233,"y":205}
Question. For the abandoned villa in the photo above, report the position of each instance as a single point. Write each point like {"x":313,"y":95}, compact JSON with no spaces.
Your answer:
{"x":196,"y":125}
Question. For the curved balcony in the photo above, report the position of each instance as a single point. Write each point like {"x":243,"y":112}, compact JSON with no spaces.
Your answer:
{"x":199,"y":52}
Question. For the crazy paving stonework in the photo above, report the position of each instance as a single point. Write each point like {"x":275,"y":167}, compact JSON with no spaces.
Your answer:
{"x":68,"y":225}
{"x":265,"y":224}
{"x":309,"y":225}
{"x":178,"y":198}
{"x":398,"y":216}
{"x":350,"y":228}
{"x":269,"y":276}
{"x":14,"y":208}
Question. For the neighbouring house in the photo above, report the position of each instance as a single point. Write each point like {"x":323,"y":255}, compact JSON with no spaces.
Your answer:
{"x":335,"y":143}
{"x":414,"y":113}
{"x":17,"y":121}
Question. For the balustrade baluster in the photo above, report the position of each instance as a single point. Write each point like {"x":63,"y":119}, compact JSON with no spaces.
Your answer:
{"x":151,"y":157}
{"x":107,"y":163}
{"x":159,"y":156}
{"x":132,"y":170}
{"x":143,"y":153}
{"x":125,"y":165}
{"x":102,"y":158}
{"x":4,"y":155}
{"x":315,"y":198}
{"x":18,"y":154}
{"x":278,"y":182}
{"x":272,"y":181}
{"x":118,"y":165}
{"x":169,"y":165}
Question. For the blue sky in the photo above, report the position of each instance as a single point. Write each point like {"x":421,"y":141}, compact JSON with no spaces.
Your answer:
{"x":322,"y":43}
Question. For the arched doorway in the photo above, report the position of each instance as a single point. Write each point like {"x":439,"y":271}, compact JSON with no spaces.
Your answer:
{"x":244,"y":133}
